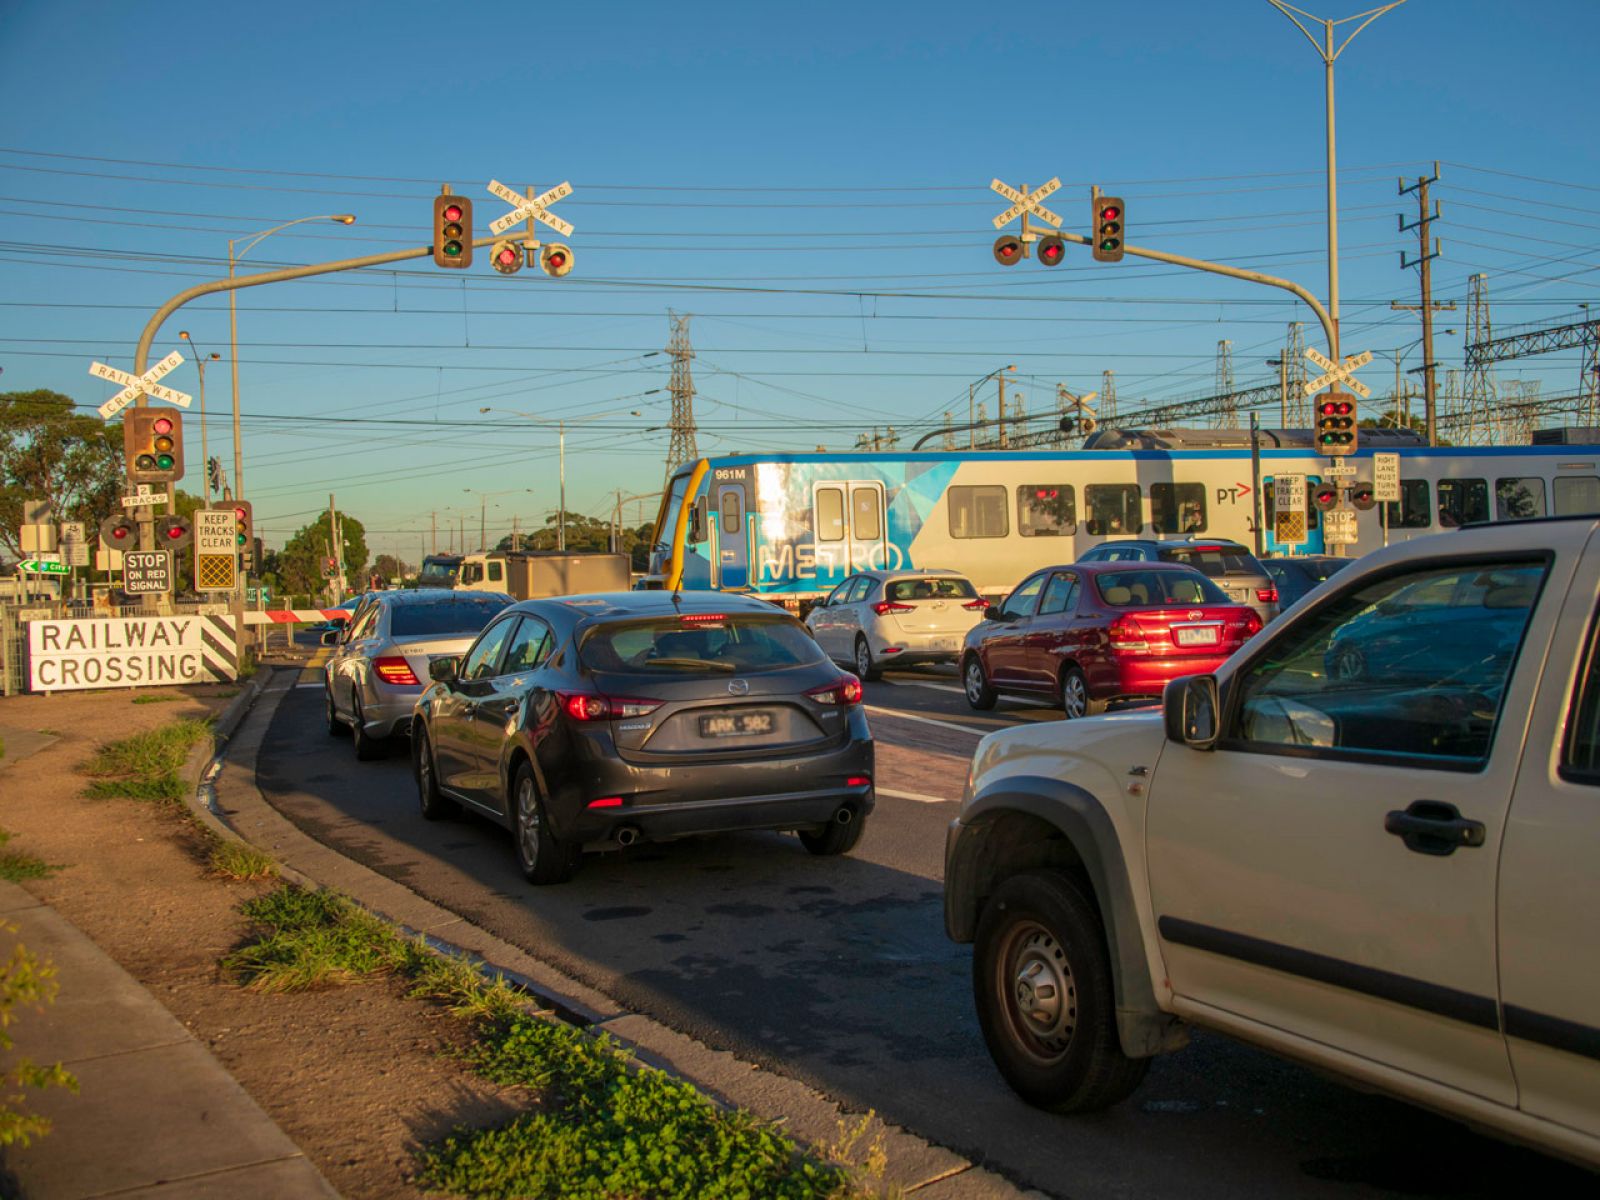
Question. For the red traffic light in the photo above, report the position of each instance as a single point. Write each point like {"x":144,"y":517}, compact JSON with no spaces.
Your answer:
{"x":452,"y":212}
{"x":1336,"y":408}
{"x":1110,"y":212}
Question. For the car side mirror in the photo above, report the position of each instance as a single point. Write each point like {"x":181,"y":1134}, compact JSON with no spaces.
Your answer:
{"x":993,"y":613}
{"x":1189,"y":708}
{"x":444,"y":670}
{"x":331,"y":637}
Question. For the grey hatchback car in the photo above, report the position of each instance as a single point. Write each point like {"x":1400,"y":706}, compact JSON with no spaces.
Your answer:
{"x":380,"y":663}
{"x":598,"y":721}
{"x":1226,"y":563}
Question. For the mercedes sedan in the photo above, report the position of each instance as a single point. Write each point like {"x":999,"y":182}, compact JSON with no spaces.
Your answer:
{"x":593,"y":722}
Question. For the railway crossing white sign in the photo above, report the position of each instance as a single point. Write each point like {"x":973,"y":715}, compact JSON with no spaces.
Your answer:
{"x":74,"y":544}
{"x":143,"y":494}
{"x":1027,"y":202}
{"x":131,"y":652}
{"x":134,"y":385}
{"x":1386,"y":477}
{"x":1342,"y":373}
{"x":523,"y":209}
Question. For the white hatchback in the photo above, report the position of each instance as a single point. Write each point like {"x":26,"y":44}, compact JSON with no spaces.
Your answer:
{"x":876,"y":619}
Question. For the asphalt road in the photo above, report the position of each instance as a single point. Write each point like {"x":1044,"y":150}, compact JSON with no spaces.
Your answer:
{"x":837,"y":972}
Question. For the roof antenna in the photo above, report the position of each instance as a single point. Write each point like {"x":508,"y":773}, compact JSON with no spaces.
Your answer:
{"x":677,"y":597}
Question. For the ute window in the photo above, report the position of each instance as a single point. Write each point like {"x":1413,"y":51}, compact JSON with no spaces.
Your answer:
{"x":1136,"y":589}
{"x":699,"y":644}
{"x":458,"y":617}
{"x":931,"y":589}
{"x":1215,"y":561}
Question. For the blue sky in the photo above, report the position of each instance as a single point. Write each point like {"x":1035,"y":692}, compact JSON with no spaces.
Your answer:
{"x":809,"y":182}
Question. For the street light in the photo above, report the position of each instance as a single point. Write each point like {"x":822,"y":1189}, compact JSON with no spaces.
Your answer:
{"x":561,"y":426}
{"x":483,"y":511}
{"x":200,"y":361}
{"x":233,"y":327}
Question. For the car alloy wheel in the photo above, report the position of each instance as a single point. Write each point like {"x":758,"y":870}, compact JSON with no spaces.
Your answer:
{"x":865,"y":667}
{"x":541,"y":856}
{"x":435,"y":806}
{"x":1074,"y":695}
{"x":979,"y":693}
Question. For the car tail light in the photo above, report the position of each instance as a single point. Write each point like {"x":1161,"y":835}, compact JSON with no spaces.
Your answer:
{"x":702,"y":618}
{"x":1267,"y":595}
{"x":588,"y":706}
{"x":1252,"y":624}
{"x":858,"y":781}
{"x":978,"y":605}
{"x":883,"y":607}
{"x":396,"y":671}
{"x":1128,"y":636}
{"x":845,"y":691}
{"x":605,"y":802}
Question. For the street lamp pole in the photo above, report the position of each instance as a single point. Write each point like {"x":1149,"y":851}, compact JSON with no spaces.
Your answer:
{"x":200,"y":365}
{"x":233,"y":330}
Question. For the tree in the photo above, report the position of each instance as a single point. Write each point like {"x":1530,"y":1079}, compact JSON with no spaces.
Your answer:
{"x":586,"y":533}
{"x":388,"y":566}
{"x":299,"y":565}
{"x":49,"y":452}
{"x":1395,"y":419}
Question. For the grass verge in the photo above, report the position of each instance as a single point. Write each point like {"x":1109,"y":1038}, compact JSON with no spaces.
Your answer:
{"x":238,"y":861}
{"x":146,"y":766}
{"x":17,"y":866}
{"x":158,"y":698}
{"x":604,"y":1126}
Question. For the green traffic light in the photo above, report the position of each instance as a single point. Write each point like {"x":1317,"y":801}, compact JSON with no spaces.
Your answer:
{"x":453,"y":249}
{"x":165,"y":461}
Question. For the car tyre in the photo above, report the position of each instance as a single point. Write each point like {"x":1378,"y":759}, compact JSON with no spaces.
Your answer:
{"x":834,"y":838}
{"x":435,"y":805}
{"x":336,"y":727}
{"x":975,"y":683}
{"x":368,"y":748}
{"x":1075,"y":700}
{"x":1041,"y":980}
{"x":868,"y":670}
{"x":542,"y":857}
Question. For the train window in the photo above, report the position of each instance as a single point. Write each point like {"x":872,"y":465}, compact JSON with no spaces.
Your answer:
{"x":866,"y":517}
{"x":1413,"y":510}
{"x":1463,"y":501}
{"x":730,"y":511}
{"x":1113,"y":508}
{"x":830,"y":514}
{"x":1178,"y":507}
{"x":1046,"y":510}
{"x":1518,"y":499}
{"x":1575,"y":494}
{"x":978,"y":512}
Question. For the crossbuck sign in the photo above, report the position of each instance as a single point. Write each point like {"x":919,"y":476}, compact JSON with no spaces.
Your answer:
{"x":523,"y":209}
{"x":135,"y":385}
{"x":1027,"y":203}
{"x":1343,"y":373}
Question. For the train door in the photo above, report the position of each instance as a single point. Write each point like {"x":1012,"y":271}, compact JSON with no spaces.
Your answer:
{"x":1273,"y":548}
{"x":733,"y":538}
{"x":849,"y":530}
{"x":867,"y":536}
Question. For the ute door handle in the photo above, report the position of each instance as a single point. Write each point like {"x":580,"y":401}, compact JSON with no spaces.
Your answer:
{"x":1433,"y":827}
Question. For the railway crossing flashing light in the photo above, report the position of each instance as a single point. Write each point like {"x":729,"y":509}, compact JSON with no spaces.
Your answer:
{"x":555,"y":259}
{"x":506,"y":257}
{"x":1336,"y":425}
{"x":119,"y":532}
{"x":1325,"y":497}
{"x":173,"y":533}
{"x":1051,"y":251}
{"x":1109,"y":223}
{"x":452,"y":231}
{"x":1008,"y":250}
{"x":152,"y":444}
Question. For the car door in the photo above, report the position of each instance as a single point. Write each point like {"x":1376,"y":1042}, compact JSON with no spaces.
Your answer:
{"x":1297,"y":890}
{"x":349,"y":658}
{"x":1050,"y":633}
{"x":824,"y":619}
{"x":1004,"y":645}
{"x":851,"y":618}
{"x":454,"y":723}
{"x":1549,"y":891}
{"x":495,"y":711}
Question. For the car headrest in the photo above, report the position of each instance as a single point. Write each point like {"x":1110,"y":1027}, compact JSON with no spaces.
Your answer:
{"x":1118,"y":595}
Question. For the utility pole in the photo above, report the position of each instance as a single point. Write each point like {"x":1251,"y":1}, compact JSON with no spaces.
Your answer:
{"x":483,"y":510}
{"x":1001,"y":381}
{"x":335,"y":534}
{"x":1423,"y":262}
{"x":433,"y":544}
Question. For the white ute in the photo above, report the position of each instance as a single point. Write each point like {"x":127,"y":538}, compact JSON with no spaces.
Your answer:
{"x":1370,"y":842}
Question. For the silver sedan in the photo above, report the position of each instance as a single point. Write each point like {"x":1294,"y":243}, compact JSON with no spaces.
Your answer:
{"x":379,"y":665}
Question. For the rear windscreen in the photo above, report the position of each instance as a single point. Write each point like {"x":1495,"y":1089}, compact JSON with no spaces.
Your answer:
{"x":1212,"y":561}
{"x":457,"y":616}
{"x":1134,"y":589}
{"x":931,"y":589}
{"x":700,"y":645}
{"x":1320,"y":569}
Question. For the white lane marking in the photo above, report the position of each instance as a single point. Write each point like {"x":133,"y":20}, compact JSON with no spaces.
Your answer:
{"x":905,"y":716}
{"x":305,"y":685}
{"x":917,"y":796}
{"x":950,"y":687}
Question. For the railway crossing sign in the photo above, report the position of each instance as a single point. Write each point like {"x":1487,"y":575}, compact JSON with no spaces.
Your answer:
{"x":1289,"y":509}
{"x":146,"y":572}
{"x":1027,"y":202}
{"x":135,"y":385}
{"x":143,"y":494}
{"x":524,"y":209}
{"x":1386,"y":477}
{"x":1339,"y":527}
{"x":74,"y":545}
{"x":1342,"y":373}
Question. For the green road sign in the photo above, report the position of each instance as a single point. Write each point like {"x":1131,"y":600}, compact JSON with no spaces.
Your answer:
{"x":36,"y":567}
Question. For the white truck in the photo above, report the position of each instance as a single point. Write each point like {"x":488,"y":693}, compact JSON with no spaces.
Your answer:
{"x":529,"y":576}
{"x":1369,"y":842}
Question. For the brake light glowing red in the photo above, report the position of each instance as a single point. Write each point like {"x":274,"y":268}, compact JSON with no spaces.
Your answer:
{"x":395,"y":671}
{"x":701,"y":618}
{"x":1267,"y":595}
{"x":588,"y":706}
{"x":845,"y":691}
{"x":858,"y":781}
{"x":1252,"y":625}
{"x":605,"y":802}
{"x":883,"y":607}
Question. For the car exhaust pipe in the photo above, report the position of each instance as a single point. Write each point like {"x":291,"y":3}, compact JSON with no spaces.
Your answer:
{"x":844,"y":815}
{"x":627,"y":835}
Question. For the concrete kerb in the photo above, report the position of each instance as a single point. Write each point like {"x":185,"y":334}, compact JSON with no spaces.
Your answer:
{"x":242,"y":813}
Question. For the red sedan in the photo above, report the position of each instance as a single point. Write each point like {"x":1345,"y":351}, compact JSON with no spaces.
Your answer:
{"x":1090,"y":633}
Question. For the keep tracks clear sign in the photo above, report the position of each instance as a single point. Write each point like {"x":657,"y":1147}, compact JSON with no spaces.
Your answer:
{"x":131,"y":652}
